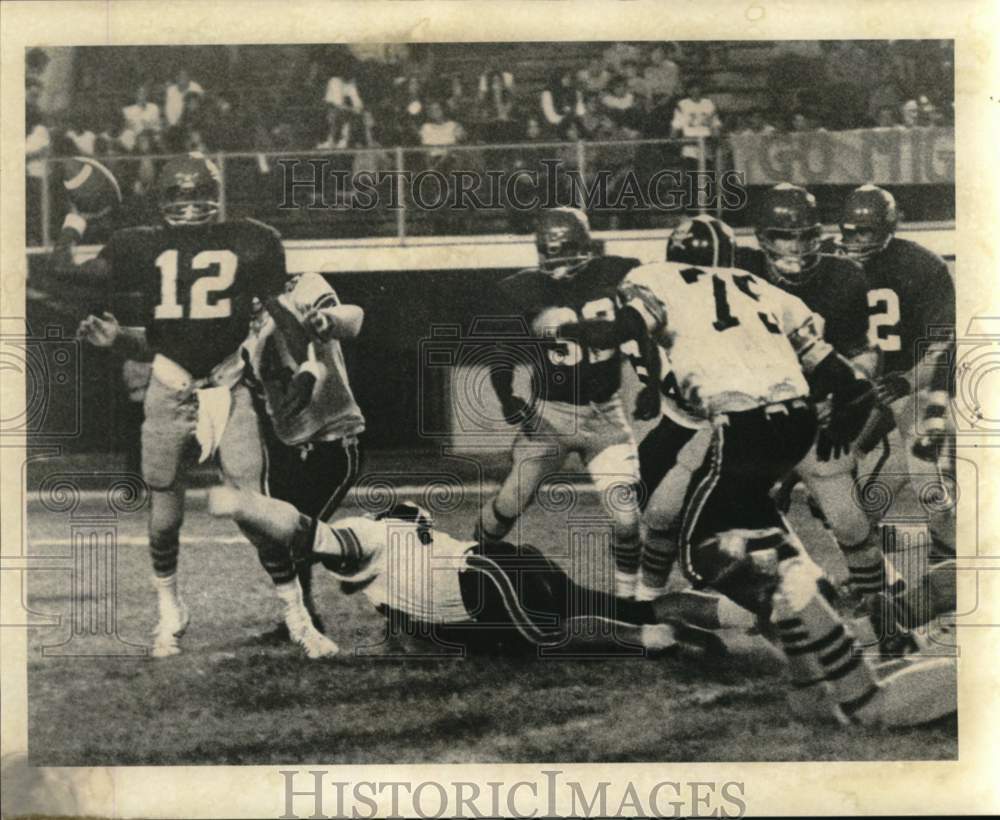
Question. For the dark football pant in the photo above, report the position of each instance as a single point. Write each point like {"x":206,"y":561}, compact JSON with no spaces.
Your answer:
{"x":519,"y":600}
{"x":314,"y":478}
{"x":749,"y":452}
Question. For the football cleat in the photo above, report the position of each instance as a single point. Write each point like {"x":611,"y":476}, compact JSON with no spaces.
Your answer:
{"x":172,"y":625}
{"x":314,"y":642}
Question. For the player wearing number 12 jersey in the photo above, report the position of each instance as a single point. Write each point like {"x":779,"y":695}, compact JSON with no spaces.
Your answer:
{"x":576,"y":403}
{"x":199,"y":278}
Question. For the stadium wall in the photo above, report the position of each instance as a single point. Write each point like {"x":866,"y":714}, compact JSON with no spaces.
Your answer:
{"x":416,"y":323}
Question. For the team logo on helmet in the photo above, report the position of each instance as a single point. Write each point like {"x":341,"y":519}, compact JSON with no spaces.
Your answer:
{"x":190,"y":190}
{"x":702,"y":240}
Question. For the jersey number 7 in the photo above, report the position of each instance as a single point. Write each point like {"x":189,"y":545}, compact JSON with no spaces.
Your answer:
{"x":220,"y":270}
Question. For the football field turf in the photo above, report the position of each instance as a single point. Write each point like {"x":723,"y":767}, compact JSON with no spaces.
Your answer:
{"x":229,"y":699}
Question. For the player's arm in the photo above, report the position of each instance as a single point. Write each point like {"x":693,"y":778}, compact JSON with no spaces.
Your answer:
{"x":64,"y":269}
{"x":105,"y":331}
{"x":325,"y":316}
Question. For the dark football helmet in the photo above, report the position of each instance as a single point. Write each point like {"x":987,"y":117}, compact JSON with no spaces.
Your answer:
{"x":703,"y":240}
{"x":563,"y":239}
{"x":408,"y":511}
{"x":868,"y":223}
{"x":789,"y":232}
{"x":190,"y":190}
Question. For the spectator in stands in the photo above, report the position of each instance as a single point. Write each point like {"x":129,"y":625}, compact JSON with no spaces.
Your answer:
{"x":887,"y":117}
{"x":756,"y":124}
{"x":616,"y":55}
{"x":595,"y":77}
{"x":38,"y":146}
{"x":177,"y":95}
{"x":342,"y":88}
{"x":413,"y":111}
{"x":695,"y":116}
{"x":141,"y":115}
{"x":80,"y":138}
{"x":561,"y":99}
{"x":440,"y":132}
{"x":661,"y":75}
{"x":620,"y":103}
{"x":495,"y":108}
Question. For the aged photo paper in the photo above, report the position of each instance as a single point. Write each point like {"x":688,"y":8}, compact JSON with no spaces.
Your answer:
{"x":464,"y":409}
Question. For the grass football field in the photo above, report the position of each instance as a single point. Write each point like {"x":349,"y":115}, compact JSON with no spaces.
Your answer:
{"x":228,"y":699}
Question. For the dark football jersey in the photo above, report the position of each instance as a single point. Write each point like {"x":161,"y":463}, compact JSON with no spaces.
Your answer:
{"x":836,"y":289}
{"x":569,"y":371}
{"x":911,"y":298}
{"x":197,"y":285}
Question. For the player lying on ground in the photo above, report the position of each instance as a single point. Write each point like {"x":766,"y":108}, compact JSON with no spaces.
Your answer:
{"x":477,"y":595}
{"x":750,"y":359}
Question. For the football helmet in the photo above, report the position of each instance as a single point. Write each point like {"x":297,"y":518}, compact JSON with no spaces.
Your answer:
{"x":868,"y":223}
{"x":190,"y":190}
{"x":408,"y":511}
{"x":563,"y":239}
{"x":789,"y":232}
{"x":703,"y":240}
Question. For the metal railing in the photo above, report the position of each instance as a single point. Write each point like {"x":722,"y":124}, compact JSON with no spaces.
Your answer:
{"x":257,"y":184}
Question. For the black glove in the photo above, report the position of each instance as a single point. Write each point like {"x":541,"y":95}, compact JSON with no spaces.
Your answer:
{"x":891,"y":387}
{"x":298,"y":394}
{"x":647,"y":403}
{"x":515,"y":410}
{"x":852,"y":405}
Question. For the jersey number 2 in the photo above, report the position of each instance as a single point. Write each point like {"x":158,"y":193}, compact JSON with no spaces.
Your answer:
{"x":223,"y":263}
{"x":883,"y":316}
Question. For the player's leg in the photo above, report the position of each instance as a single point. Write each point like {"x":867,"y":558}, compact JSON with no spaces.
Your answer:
{"x":244,"y":461}
{"x":682,"y":450}
{"x":533,"y":458}
{"x":932,"y":471}
{"x":167,"y":432}
{"x":832,"y":486}
{"x":612,"y":458}
{"x":272,"y":521}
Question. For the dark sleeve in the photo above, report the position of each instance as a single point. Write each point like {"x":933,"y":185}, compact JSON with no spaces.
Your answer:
{"x":272,"y":270}
{"x":63,"y":269}
{"x":935,"y":296}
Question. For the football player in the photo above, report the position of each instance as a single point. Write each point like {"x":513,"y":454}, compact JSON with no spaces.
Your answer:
{"x":576,"y":404}
{"x":199,"y":277}
{"x":911,"y":299}
{"x":789,"y":234}
{"x":475,"y":594}
{"x":751,"y":360}
{"x":297,"y":368}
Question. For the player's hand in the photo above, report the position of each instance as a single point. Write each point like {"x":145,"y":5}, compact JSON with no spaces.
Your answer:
{"x":100,"y":331}
{"x":318,"y":323}
{"x":830,"y":448}
{"x":891,"y":387}
{"x":298,"y":394}
{"x":515,"y":410}
{"x":647,"y":403}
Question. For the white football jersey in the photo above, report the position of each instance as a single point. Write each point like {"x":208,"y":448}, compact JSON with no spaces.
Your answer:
{"x":333,"y":412}
{"x":733,"y":341}
{"x":400,"y":571}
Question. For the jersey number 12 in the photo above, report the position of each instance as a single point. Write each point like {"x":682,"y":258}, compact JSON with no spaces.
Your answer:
{"x":220,"y":270}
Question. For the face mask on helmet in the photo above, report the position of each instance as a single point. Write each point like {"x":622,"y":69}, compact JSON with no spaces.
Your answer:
{"x":862,"y":243}
{"x":792,"y":253}
{"x":190,"y":206}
